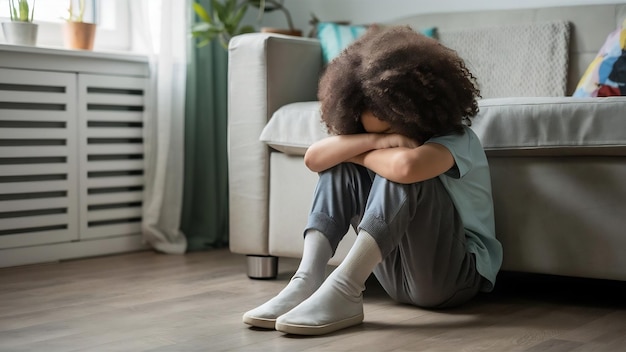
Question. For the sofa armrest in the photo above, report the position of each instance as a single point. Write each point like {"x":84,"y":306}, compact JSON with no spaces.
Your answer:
{"x":265,"y":72}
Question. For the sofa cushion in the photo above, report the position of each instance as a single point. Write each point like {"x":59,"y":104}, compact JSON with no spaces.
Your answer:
{"x":540,"y":126}
{"x":606,"y":75}
{"x":552,"y":125}
{"x":294,"y":127}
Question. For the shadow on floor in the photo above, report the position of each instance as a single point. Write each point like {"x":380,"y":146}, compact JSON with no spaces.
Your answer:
{"x":513,"y":286}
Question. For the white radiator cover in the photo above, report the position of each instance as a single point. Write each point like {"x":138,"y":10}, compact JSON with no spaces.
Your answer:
{"x":71,"y":153}
{"x":38,"y":158}
{"x":111,"y":163}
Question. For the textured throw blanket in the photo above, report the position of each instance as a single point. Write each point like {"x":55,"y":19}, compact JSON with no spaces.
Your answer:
{"x":515,"y":60}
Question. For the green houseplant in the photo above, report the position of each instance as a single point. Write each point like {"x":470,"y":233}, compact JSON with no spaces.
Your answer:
{"x":223,"y":21}
{"x":78,"y":34}
{"x":21,"y":30}
{"x":21,"y":12}
{"x":74,"y":15}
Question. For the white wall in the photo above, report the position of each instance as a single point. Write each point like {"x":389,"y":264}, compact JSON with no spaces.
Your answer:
{"x":368,"y":11}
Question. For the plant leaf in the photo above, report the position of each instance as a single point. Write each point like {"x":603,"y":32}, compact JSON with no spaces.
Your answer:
{"x":200,"y":27}
{"x":219,"y":10}
{"x":24,"y":11}
{"x":203,"y":43}
{"x":201,"y":12}
{"x":205,"y":29}
{"x":231,"y":5}
{"x":220,"y":21}
{"x":238,"y":16}
{"x":205,"y":35}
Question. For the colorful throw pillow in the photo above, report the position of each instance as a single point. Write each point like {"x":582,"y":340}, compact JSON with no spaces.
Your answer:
{"x":606,"y":75}
{"x":335,"y":37}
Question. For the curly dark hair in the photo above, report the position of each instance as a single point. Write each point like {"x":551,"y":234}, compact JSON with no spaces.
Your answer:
{"x":422,"y":88}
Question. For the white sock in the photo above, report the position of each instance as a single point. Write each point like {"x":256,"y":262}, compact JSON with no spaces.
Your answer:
{"x":315,"y":256}
{"x":338,"y":303}
{"x":361,"y":260}
{"x":305,"y":281}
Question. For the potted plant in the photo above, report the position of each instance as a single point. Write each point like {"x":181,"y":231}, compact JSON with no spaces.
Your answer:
{"x":78,"y":34}
{"x":224,"y":20}
{"x":21,"y":30}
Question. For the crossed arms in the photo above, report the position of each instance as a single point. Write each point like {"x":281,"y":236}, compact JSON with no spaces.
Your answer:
{"x":392,"y":156}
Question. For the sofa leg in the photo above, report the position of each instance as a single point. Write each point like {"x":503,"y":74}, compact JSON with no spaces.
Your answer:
{"x":262,"y":267}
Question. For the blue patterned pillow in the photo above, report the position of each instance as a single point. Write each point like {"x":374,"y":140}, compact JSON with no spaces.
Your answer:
{"x":336,"y":37}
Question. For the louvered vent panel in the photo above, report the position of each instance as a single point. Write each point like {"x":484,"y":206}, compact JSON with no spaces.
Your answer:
{"x":38,"y":158}
{"x":111,"y":115}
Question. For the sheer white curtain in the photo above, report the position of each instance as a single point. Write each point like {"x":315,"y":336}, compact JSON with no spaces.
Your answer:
{"x":159,"y":29}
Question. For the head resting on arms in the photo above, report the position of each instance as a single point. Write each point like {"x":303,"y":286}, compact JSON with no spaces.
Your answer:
{"x":417,"y":85}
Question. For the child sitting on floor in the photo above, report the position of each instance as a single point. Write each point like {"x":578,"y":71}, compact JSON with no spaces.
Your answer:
{"x":405,"y":170}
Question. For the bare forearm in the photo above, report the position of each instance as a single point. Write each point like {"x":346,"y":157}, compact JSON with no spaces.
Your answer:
{"x":334,"y":150}
{"x":389,"y":163}
{"x":407,"y":165}
{"x":393,"y":156}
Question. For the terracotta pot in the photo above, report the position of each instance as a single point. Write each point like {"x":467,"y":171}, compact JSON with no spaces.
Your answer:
{"x":20,"y":33}
{"x":79,"y":35}
{"x":295,"y":32}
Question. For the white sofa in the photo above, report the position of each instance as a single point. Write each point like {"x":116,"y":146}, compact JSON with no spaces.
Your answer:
{"x":558,"y":164}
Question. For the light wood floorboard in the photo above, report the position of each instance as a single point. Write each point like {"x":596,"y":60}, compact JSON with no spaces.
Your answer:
{"x":153,"y":302}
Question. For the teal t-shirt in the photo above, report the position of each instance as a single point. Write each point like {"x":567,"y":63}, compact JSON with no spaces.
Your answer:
{"x":469,"y":186}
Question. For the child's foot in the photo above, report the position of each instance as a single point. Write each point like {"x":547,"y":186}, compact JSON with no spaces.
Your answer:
{"x":264,"y":316}
{"x":327,"y":310}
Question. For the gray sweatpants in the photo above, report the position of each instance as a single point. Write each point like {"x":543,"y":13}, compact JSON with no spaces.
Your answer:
{"x":416,"y":226}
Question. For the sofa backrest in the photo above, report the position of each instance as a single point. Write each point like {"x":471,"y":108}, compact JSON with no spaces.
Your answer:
{"x":590,"y":26}
{"x":523,"y":60}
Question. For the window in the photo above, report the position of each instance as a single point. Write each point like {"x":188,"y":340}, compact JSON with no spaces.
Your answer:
{"x":112,"y":33}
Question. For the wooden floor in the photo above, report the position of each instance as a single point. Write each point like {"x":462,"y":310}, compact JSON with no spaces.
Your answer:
{"x":151,"y":302}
